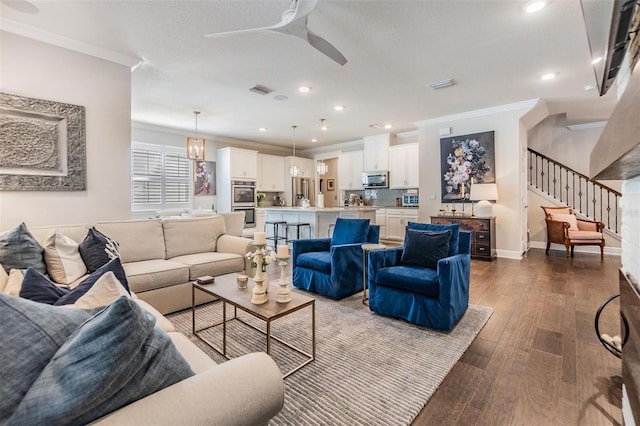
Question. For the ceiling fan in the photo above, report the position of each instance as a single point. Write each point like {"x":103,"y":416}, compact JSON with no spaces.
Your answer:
{"x":294,"y":22}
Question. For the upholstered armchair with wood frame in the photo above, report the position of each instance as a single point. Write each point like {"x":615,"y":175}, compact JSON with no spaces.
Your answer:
{"x":563,"y":227}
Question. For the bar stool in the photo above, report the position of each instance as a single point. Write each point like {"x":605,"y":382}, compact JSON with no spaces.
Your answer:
{"x":297,"y":226}
{"x":277,"y":227}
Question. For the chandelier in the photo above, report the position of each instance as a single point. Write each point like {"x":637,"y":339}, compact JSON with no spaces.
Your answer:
{"x":294,"y":171}
{"x":195,"y":146}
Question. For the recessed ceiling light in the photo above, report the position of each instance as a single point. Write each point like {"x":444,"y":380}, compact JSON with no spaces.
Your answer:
{"x":314,"y":140}
{"x":304,"y":89}
{"x":534,"y":6}
{"x":589,"y":87}
{"x":388,"y":126}
{"x":597,"y":60}
{"x":549,"y":76}
{"x":339,"y":107}
{"x":263,"y":129}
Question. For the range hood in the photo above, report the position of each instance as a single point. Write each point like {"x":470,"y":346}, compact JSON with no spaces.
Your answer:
{"x":616,"y":155}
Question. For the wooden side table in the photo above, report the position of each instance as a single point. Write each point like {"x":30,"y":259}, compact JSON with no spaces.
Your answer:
{"x":483,"y":233}
{"x":366,"y":248}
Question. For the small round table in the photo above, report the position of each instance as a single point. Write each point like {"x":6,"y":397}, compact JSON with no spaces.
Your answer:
{"x":366,"y":248}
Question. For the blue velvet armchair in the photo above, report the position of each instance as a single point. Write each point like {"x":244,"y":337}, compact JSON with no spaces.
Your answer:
{"x":435,"y":298}
{"x":332,"y":267}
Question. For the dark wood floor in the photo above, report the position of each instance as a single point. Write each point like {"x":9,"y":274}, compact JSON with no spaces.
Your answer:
{"x":538,"y":360}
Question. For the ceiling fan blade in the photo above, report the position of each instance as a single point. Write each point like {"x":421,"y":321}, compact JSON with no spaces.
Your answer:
{"x":303,"y":8}
{"x":245,"y":31}
{"x":325,"y":47}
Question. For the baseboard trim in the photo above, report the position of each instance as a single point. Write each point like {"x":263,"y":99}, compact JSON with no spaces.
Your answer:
{"x":613,"y":251}
{"x":509,"y":254}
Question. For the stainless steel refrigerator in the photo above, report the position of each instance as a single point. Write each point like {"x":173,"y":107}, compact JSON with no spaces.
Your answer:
{"x":302,"y":188}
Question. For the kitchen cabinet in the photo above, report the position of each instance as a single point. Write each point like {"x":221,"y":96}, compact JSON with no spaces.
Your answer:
{"x":350,"y":168}
{"x":376,"y":151}
{"x":397,"y":220}
{"x":404,"y":166}
{"x":381,"y":219}
{"x":242,"y":163}
{"x":270,"y":175}
{"x":305,"y":166}
{"x":483,"y":234}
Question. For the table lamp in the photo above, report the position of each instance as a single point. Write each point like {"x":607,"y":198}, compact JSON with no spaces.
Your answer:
{"x":484,"y":192}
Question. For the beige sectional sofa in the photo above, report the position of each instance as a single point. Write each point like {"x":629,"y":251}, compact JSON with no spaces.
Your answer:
{"x":162,"y":257}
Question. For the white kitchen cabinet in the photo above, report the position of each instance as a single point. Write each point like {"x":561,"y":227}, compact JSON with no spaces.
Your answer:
{"x":381,"y":219}
{"x":270,"y":173}
{"x":305,"y":166}
{"x":376,"y":151}
{"x":404,"y":166}
{"x":242,"y":162}
{"x":397,"y":220}
{"x":350,"y":168}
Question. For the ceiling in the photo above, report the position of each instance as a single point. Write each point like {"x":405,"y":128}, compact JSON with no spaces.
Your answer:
{"x":494,"y":51}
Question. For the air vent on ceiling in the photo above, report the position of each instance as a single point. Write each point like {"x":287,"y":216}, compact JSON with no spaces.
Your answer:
{"x":260,"y":89}
{"x":442,"y":84}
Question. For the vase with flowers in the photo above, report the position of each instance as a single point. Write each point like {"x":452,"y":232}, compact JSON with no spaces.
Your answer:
{"x":265,"y":258}
{"x":260,"y":196}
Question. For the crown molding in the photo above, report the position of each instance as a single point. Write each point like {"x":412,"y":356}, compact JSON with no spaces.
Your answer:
{"x":592,"y":125}
{"x":68,"y":43}
{"x":478,"y":113}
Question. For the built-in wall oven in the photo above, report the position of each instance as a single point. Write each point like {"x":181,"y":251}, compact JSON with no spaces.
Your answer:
{"x":243,"y":198}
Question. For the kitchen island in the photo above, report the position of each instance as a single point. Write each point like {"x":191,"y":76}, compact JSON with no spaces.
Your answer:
{"x":321,"y":220}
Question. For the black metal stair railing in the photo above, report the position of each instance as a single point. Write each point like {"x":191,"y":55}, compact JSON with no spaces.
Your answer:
{"x":587,"y":197}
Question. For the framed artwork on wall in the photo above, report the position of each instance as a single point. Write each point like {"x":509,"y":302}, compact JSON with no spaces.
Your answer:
{"x":465,"y":160}
{"x":331,"y":184}
{"x":204,"y":177}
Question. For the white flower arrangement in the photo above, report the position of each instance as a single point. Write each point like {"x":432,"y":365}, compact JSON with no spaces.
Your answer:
{"x":267,"y":257}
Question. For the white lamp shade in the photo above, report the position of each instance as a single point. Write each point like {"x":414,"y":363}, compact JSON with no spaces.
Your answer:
{"x":484,"y":192}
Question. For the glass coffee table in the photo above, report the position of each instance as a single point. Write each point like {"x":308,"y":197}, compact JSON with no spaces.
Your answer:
{"x":225,"y":288}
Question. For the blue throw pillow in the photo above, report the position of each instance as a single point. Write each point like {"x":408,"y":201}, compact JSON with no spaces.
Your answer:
{"x":39,"y":288}
{"x":350,"y":231}
{"x":97,"y":249}
{"x":116,"y":357}
{"x":425,"y":248}
{"x":19,"y":250}
{"x":454,"y":242}
{"x":31,"y":335}
{"x":114,"y":266}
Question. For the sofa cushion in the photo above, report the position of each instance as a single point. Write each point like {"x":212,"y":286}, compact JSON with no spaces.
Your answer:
{"x":97,"y":250}
{"x":39,"y":288}
{"x":410,"y":278}
{"x":76,"y":293}
{"x":425,"y":248}
{"x":190,"y":236}
{"x":76,"y":232}
{"x":31,"y":335}
{"x":4,"y":277}
{"x":114,"y":358}
{"x":19,"y":250}
{"x":106,"y":290}
{"x":62,"y":256}
{"x":212,"y":263}
{"x":317,"y":260}
{"x":454,"y":241}
{"x":138,"y":239}
{"x":350,"y":231}
{"x":197,"y":359}
{"x":161,"y":321}
{"x":152,"y":274}
{"x":569,"y":218}
{"x":14,"y":283}
{"x":585,"y":235}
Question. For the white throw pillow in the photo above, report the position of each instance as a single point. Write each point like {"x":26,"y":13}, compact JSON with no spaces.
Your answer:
{"x":4,"y":277}
{"x":14,"y":283}
{"x":102,"y":293}
{"x":64,"y":263}
{"x":569,"y":218}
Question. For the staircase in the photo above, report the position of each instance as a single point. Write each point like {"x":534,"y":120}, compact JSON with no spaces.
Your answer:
{"x":589,"y":199}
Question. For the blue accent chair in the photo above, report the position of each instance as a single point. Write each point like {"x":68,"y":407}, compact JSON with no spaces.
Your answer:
{"x":430,"y":298}
{"x":332,"y":267}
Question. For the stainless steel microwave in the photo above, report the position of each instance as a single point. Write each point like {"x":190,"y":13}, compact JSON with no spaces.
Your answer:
{"x":378,"y":179}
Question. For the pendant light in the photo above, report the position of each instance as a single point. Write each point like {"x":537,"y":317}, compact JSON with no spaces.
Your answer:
{"x":294,"y":170}
{"x":195,"y":146}
{"x":322,"y":168}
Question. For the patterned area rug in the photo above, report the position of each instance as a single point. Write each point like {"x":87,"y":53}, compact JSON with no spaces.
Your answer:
{"x":369,"y":370}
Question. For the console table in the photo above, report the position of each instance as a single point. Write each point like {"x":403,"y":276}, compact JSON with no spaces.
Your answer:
{"x":483,"y":233}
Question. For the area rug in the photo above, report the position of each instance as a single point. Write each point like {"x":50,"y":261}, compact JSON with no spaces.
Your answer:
{"x":369,"y":370}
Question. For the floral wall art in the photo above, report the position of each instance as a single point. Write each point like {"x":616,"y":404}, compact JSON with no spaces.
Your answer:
{"x":204,"y":176}
{"x":465,"y":160}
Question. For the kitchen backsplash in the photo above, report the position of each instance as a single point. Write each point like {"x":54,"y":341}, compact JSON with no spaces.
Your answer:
{"x":379,"y":197}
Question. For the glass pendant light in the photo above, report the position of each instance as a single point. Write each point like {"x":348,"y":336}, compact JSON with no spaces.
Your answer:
{"x":322,"y":168}
{"x":294,"y":171}
{"x":195,"y":146}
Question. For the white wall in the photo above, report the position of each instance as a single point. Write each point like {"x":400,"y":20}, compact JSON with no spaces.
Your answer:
{"x":505,"y":122}
{"x":39,"y":70}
